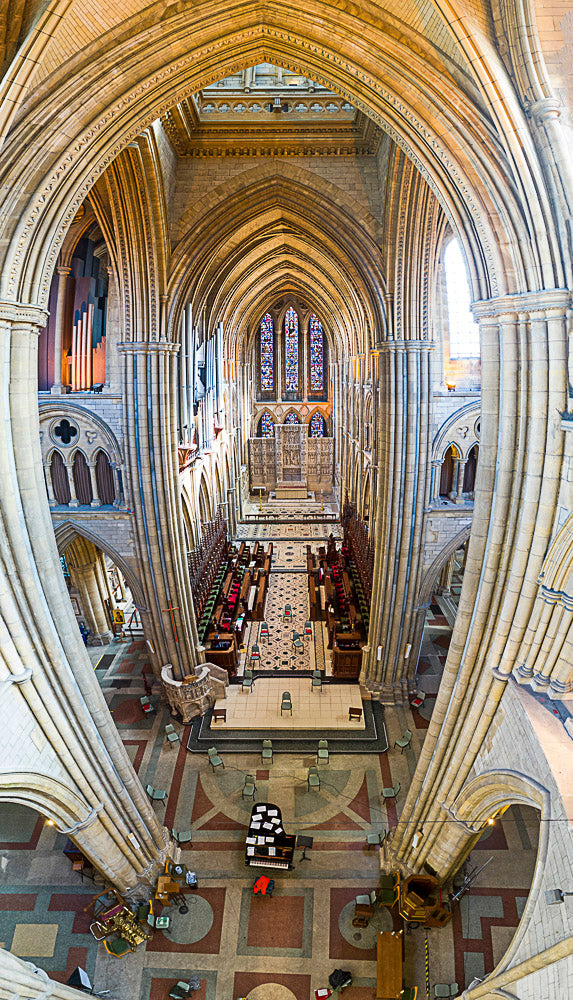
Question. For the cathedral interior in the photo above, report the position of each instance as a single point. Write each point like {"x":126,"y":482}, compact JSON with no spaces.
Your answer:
{"x":286,"y":521}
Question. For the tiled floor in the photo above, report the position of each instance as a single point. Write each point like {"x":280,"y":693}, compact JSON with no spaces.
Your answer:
{"x":238,"y":945}
{"x":260,"y":707}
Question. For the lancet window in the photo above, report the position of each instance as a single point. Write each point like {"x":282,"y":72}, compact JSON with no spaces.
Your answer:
{"x":291,"y":351}
{"x":267,"y":353}
{"x":267,"y":426}
{"x":316,"y":355}
{"x":292,"y":418}
{"x":316,"y":427}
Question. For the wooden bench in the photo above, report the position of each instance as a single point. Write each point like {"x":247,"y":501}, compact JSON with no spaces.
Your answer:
{"x":219,"y":715}
{"x":389,"y":946}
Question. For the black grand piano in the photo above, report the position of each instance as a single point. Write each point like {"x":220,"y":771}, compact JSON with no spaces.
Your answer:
{"x":267,"y":845}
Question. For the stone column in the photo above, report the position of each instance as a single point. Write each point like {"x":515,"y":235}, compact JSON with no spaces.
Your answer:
{"x":96,"y":501}
{"x":73,"y":502}
{"x":82,"y":558}
{"x":82,"y":776}
{"x":62,"y":273}
{"x":403,"y":432}
{"x":150,"y":414}
{"x":461,"y":463}
{"x":435,"y":480}
{"x":524,"y":384}
{"x":19,"y":978}
{"x":444,"y":588}
{"x":232,"y":512}
{"x":49,"y":486}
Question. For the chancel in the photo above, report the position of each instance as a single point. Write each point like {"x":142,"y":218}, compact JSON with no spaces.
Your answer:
{"x":285,"y":498}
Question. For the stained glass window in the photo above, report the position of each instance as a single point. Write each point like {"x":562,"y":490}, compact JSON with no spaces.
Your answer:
{"x":267,"y":353}
{"x":292,"y":418}
{"x":317,"y":426}
{"x":267,"y":426}
{"x":316,"y":355}
{"x":291,"y":351}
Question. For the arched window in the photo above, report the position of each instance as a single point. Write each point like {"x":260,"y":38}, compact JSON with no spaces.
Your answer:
{"x":292,"y":418}
{"x":104,"y":479}
{"x":266,"y":426}
{"x":447,"y":472}
{"x":267,"y":353}
{"x":470,"y":470}
{"x":60,"y":483}
{"x":316,"y":355}
{"x":464,"y":332}
{"x":316,"y":426}
{"x":291,"y":351}
{"x":82,"y":479}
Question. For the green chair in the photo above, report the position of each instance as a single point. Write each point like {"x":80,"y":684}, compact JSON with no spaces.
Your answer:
{"x":248,"y":681}
{"x":172,"y":734}
{"x":391,"y":793}
{"x":409,"y":993}
{"x":286,"y":702}
{"x":298,"y":645}
{"x":307,"y":630}
{"x":182,"y":836}
{"x":179,"y":991}
{"x":264,"y":633}
{"x":446,"y":989}
{"x":313,"y":779}
{"x":267,"y":751}
{"x":404,"y":741}
{"x":376,"y":839}
{"x":156,"y":794}
{"x":249,"y":787}
{"x":214,"y":759}
{"x":322,"y":752}
{"x":118,"y":947}
{"x":316,"y":681}
{"x":386,"y":897}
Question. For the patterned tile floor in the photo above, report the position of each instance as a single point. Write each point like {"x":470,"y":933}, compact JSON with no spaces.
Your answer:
{"x":276,"y":948}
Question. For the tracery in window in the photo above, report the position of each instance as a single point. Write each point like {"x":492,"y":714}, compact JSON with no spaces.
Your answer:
{"x":292,"y":418}
{"x":464,"y":332}
{"x":267,"y":353}
{"x":317,"y":426}
{"x":316,"y":355}
{"x":267,"y":426}
{"x":291,"y":351}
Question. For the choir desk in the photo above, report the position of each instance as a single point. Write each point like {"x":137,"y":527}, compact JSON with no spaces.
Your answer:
{"x":389,"y":965}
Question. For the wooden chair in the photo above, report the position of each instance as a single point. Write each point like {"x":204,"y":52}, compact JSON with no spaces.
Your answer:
{"x":364,"y":907}
{"x":354,"y":713}
{"x":118,"y":947}
{"x":267,"y":751}
{"x":322,"y":752}
{"x":404,"y":741}
{"x":214,"y":759}
{"x":313,"y":780}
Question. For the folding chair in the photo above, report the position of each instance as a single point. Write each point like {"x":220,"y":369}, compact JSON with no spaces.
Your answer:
{"x":322,"y":752}
{"x":267,"y":751}
{"x":316,"y":681}
{"x":391,"y":793}
{"x":248,"y":681}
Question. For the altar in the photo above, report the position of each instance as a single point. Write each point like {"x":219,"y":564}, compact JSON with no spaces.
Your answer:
{"x":291,"y":463}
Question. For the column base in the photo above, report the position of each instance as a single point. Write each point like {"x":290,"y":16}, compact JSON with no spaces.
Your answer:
{"x":101,"y":640}
{"x":522,"y":674}
{"x":539,"y":682}
{"x":388,"y":694}
{"x":557,"y":689}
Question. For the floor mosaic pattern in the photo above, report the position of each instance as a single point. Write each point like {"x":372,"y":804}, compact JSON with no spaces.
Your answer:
{"x":239,"y":945}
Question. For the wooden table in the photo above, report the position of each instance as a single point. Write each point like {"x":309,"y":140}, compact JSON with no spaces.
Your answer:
{"x":389,"y":965}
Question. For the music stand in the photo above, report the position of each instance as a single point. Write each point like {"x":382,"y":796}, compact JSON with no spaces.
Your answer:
{"x":304,"y":842}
